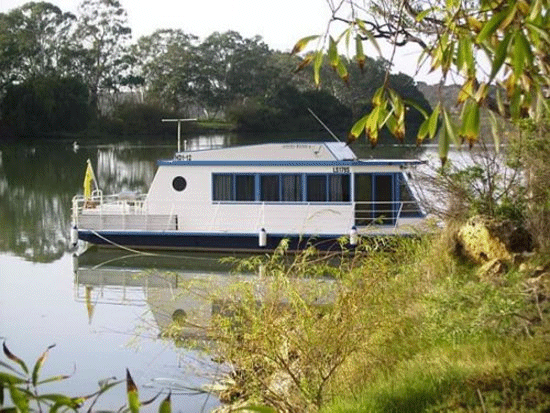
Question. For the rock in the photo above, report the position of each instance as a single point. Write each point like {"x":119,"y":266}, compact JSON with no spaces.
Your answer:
{"x":483,"y":240}
{"x":492,"y":270}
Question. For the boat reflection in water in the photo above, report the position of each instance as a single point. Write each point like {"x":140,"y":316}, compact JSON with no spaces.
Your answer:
{"x":182,"y":292}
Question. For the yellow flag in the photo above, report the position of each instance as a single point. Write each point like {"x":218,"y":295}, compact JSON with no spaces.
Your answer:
{"x":88,"y":178}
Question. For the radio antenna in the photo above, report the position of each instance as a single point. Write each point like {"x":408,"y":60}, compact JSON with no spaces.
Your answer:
{"x":323,"y":125}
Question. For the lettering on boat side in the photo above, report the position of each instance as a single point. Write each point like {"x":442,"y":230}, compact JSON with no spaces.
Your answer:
{"x":340,"y":170}
{"x":302,"y":146}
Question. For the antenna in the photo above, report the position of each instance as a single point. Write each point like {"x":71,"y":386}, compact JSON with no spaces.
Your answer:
{"x":324,"y":126}
{"x":179,"y":128}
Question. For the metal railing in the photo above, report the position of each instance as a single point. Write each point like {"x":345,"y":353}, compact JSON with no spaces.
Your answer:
{"x":133,"y":213}
{"x":385,"y":212}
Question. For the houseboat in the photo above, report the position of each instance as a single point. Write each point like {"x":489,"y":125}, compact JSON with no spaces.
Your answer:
{"x":250,"y":198}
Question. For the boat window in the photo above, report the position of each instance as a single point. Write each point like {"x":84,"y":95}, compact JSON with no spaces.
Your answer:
{"x":222,"y":187}
{"x":179,"y":183}
{"x":316,"y":188}
{"x":292,"y":188}
{"x":245,"y":188}
{"x":339,"y":188}
{"x":269,"y":188}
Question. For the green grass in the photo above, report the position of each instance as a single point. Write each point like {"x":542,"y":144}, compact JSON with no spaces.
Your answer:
{"x":472,"y":345}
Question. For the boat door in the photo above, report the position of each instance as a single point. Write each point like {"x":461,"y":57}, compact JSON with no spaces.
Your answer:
{"x":375,"y":199}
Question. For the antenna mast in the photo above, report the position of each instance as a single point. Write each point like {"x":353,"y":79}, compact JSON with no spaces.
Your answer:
{"x":179,"y":128}
{"x":324,"y":126}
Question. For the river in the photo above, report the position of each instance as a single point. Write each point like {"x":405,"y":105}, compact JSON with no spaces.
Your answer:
{"x":102,"y":313}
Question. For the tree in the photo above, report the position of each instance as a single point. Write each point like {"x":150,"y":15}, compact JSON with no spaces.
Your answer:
{"x":167,"y":60}
{"x":233,"y":67}
{"x":33,"y":38}
{"x":99,"y":46}
{"x":45,"y":104}
{"x":512,"y":35}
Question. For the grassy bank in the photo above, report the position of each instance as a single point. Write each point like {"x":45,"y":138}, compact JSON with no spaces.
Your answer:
{"x":411,"y":328}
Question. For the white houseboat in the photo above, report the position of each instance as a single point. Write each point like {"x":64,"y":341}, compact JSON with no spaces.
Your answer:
{"x":251,"y":197}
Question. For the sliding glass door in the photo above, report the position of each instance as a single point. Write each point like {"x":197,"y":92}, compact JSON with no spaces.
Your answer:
{"x":375,"y":199}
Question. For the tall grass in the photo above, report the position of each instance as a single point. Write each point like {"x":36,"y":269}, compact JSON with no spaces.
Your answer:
{"x":409,"y":328}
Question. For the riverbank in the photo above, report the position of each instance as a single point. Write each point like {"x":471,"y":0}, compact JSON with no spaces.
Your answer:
{"x":412,"y":328}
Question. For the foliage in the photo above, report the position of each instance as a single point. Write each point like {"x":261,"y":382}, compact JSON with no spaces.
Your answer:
{"x":476,"y":182}
{"x":33,"y":38}
{"x":24,"y":389}
{"x":99,"y":40}
{"x":287,"y":110}
{"x":46,"y":105}
{"x":532,"y":153}
{"x":405,"y":326}
{"x":225,"y":74}
{"x":145,"y":119}
{"x":167,"y":61}
{"x":511,"y":35}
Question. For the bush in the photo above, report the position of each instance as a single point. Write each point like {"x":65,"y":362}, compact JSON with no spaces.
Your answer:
{"x":144,"y":119}
{"x":46,"y":105}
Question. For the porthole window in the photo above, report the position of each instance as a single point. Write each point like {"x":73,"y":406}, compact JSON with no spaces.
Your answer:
{"x":179,"y":183}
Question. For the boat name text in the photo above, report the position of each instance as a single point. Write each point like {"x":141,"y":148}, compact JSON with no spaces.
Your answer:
{"x":341,"y":170}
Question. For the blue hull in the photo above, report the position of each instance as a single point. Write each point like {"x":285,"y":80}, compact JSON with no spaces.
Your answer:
{"x":206,"y":241}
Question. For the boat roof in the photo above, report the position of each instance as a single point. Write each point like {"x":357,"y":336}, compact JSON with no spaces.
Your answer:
{"x":295,"y":151}
{"x":310,"y":153}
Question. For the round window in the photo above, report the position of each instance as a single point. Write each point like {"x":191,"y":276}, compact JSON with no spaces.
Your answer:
{"x":179,"y":183}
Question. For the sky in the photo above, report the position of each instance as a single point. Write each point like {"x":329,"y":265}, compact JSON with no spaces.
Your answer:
{"x":281,"y":23}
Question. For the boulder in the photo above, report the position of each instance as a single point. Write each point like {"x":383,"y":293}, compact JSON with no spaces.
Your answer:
{"x":483,"y":239}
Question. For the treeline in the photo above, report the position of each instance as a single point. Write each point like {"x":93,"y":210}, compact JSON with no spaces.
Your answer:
{"x":67,"y":73}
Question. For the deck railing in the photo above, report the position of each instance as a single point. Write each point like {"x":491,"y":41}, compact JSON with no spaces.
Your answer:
{"x":124,"y":212}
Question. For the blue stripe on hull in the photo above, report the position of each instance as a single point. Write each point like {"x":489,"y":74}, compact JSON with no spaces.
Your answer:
{"x":204,"y":241}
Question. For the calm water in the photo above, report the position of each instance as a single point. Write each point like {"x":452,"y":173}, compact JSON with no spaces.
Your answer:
{"x":101,"y":311}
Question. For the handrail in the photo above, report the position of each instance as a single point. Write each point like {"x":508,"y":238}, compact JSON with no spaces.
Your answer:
{"x":113,"y":212}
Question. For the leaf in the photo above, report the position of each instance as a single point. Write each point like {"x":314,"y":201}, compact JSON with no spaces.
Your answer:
{"x":522,"y":53}
{"x":500,"y":55}
{"x":359,"y":53}
{"x":62,"y":400}
{"x":415,"y":105}
{"x":305,"y":62}
{"x":495,"y":131}
{"x":422,"y":131}
{"x":466,"y":91}
{"x":420,"y":16}
{"x":132,"y":393}
{"x":317,"y":68}
{"x":19,"y":399}
{"x":540,"y":31}
{"x":166,"y":405}
{"x":509,"y":17}
{"x":378,"y":96}
{"x":450,"y":127}
{"x":302,"y":43}
{"x":14,"y":358}
{"x":151,"y":400}
{"x":38,"y":365}
{"x":471,"y":123}
{"x":443,"y":146}
{"x":491,"y":26}
{"x":342,"y":72}
{"x":358,"y":127}
{"x":333,"y":57}
{"x":481,"y":93}
{"x":433,"y":121}
{"x":6,"y":378}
